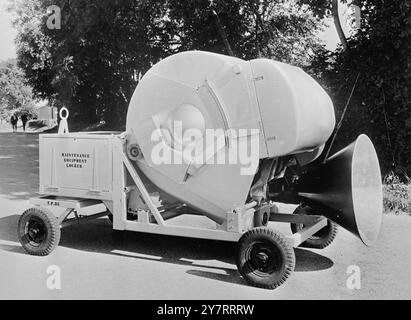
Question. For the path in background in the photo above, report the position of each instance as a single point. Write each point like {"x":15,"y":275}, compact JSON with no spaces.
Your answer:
{"x":5,"y":127}
{"x":18,"y":169}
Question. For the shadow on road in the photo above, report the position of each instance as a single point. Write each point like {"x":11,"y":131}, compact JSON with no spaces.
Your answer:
{"x":8,"y":232}
{"x":8,"y":228}
{"x":98,"y":236}
{"x":19,"y":165}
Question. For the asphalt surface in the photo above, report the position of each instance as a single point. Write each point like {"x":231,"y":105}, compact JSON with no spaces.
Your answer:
{"x":95,"y":263}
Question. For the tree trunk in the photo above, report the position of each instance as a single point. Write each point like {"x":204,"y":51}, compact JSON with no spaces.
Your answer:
{"x":337,"y":24}
{"x":222,"y":33}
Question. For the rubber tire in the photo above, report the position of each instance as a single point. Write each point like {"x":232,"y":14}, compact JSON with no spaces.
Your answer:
{"x":322,"y":238}
{"x":51,"y":229}
{"x":285,"y":252}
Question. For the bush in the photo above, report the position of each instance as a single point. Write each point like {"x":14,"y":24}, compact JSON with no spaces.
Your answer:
{"x":396,"y":195}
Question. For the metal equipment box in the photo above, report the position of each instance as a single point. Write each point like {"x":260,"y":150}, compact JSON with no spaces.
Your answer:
{"x":76,"y":165}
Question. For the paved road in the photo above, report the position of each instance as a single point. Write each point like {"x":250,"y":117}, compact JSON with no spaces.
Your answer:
{"x":96,"y":265}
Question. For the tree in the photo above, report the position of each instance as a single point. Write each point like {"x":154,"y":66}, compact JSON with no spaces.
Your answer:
{"x":283,"y":30}
{"x":33,"y":46}
{"x":380,"y":52}
{"x":92,"y":63}
{"x":15,"y":94}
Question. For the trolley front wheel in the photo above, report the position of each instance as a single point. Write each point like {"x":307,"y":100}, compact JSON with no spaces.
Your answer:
{"x":265,"y":257}
{"x":38,"y":231}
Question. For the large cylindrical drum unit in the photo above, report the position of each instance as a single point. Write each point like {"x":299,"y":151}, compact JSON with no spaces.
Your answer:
{"x":281,"y":110}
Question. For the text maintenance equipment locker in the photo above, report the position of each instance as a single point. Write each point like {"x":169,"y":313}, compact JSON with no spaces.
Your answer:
{"x":78,"y":165}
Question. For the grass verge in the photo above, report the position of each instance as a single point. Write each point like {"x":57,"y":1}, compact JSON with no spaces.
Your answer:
{"x":397,"y":195}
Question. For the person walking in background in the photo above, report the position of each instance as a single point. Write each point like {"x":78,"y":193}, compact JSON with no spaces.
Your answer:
{"x":13,"y":121}
{"x":24,"y":119}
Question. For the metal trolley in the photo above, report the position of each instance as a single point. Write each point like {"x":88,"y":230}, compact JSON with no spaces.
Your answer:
{"x":91,"y":175}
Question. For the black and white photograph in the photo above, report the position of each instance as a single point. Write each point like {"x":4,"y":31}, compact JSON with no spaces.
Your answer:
{"x":222,"y":152}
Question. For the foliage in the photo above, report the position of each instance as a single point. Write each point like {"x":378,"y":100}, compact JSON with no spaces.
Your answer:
{"x":380,"y":107}
{"x":397,"y":195}
{"x":281,"y":30}
{"x":15,"y":94}
{"x":93,"y":62}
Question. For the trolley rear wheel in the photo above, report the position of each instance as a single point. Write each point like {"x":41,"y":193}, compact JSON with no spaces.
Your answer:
{"x":322,"y":238}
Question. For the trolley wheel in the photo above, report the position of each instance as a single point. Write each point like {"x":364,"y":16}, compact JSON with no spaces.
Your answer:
{"x":265,"y":258}
{"x":322,"y":238}
{"x":38,"y":231}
